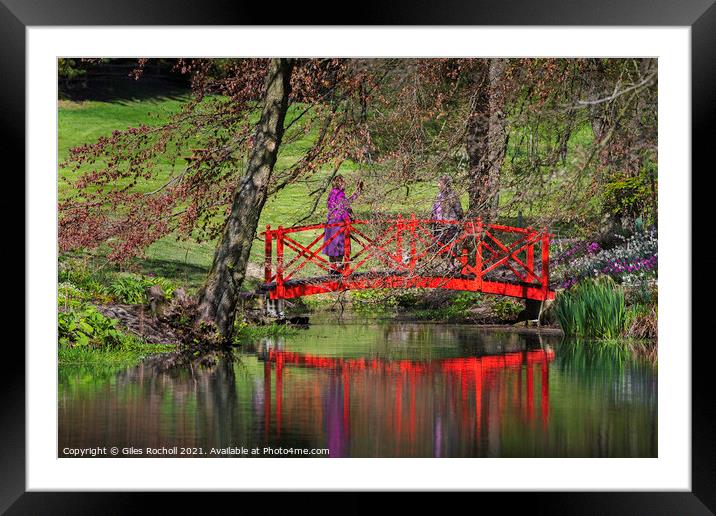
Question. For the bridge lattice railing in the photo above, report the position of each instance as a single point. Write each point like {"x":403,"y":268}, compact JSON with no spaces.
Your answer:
{"x":409,"y":252}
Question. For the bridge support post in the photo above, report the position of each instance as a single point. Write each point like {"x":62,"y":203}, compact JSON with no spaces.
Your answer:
{"x":279,"y":262}
{"x":274,"y":308}
{"x":268,"y":251}
{"x":545,"y":263}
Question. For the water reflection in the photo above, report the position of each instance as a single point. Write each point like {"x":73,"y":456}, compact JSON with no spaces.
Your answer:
{"x":378,"y":390}
{"x":409,"y":391}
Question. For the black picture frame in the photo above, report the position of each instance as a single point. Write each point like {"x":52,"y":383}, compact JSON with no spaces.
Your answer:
{"x":699,"y":15}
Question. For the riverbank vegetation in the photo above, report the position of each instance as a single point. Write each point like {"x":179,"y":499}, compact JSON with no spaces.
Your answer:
{"x":609,"y":289}
{"x":592,"y":308}
{"x":88,"y":297}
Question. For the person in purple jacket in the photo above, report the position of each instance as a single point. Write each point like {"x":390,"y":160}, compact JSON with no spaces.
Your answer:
{"x":339,"y":210}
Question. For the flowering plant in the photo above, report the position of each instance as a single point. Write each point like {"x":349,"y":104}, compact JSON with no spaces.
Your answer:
{"x":630,"y":261}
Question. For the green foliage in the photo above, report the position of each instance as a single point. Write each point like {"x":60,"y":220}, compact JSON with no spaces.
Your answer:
{"x":372,"y":297}
{"x":86,"y":337}
{"x":82,"y":281}
{"x":70,"y":295}
{"x":454,"y":308}
{"x":594,"y":308}
{"x":88,"y":328}
{"x":132,"y":289}
{"x":466,"y":300}
{"x":407,"y":298}
{"x":79,"y":281}
{"x":642,"y":291}
{"x":374,"y":301}
{"x":70,"y":69}
{"x":632,"y":196}
{"x":434,"y":305}
{"x":507,"y":309}
{"x":109,"y":360}
{"x":420,"y":302}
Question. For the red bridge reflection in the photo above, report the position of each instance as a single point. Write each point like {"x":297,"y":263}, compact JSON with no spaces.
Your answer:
{"x":408,"y":393}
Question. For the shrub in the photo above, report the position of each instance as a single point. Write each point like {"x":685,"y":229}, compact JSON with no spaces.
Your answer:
{"x":507,"y":309}
{"x":642,"y":322}
{"x":88,"y":328}
{"x":74,"y":273}
{"x":373,"y":300}
{"x":72,"y":270}
{"x":129,"y":289}
{"x":640,"y":289}
{"x":79,"y":273}
{"x":595,"y":307}
{"x":407,"y":298}
{"x":631,"y":196}
{"x":132,"y":289}
{"x":466,"y":300}
{"x":70,"y":295}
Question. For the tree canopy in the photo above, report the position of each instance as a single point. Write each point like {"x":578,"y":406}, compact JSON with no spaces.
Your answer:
{"x":570,"y":130}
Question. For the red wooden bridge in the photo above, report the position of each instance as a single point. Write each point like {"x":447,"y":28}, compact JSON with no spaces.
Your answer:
{"x":409,"y":253}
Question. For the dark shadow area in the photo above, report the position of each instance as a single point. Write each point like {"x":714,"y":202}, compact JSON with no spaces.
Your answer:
{"x":188,"y":273}
{"x":114,"y":80}
{"x":125,"y":90}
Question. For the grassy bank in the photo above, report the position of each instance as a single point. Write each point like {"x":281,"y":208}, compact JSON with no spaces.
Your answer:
{"x":119,"y":358}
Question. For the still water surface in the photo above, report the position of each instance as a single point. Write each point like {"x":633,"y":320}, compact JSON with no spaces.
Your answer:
{"x":375,"y":389}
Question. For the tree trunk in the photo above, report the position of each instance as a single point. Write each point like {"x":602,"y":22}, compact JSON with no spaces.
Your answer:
{"x":487,"y":142}
{"x":219,"y":295}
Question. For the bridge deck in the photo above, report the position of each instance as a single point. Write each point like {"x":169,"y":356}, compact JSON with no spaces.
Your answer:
{"x":491,"y":284}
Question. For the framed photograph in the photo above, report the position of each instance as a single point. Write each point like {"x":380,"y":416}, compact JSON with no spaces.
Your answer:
{"x":452,"y":254}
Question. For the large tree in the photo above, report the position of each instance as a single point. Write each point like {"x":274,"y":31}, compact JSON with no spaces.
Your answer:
{"x":486,"y":140}
{"x":218,"y":297}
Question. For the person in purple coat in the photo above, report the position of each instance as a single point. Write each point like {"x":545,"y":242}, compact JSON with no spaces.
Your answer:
{"x":339,"y":210}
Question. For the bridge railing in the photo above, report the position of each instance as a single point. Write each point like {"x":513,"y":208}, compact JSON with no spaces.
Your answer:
{"x":408,"y":252}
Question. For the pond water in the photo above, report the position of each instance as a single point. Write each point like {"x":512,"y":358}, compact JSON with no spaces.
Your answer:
{"x":369,"y":388}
